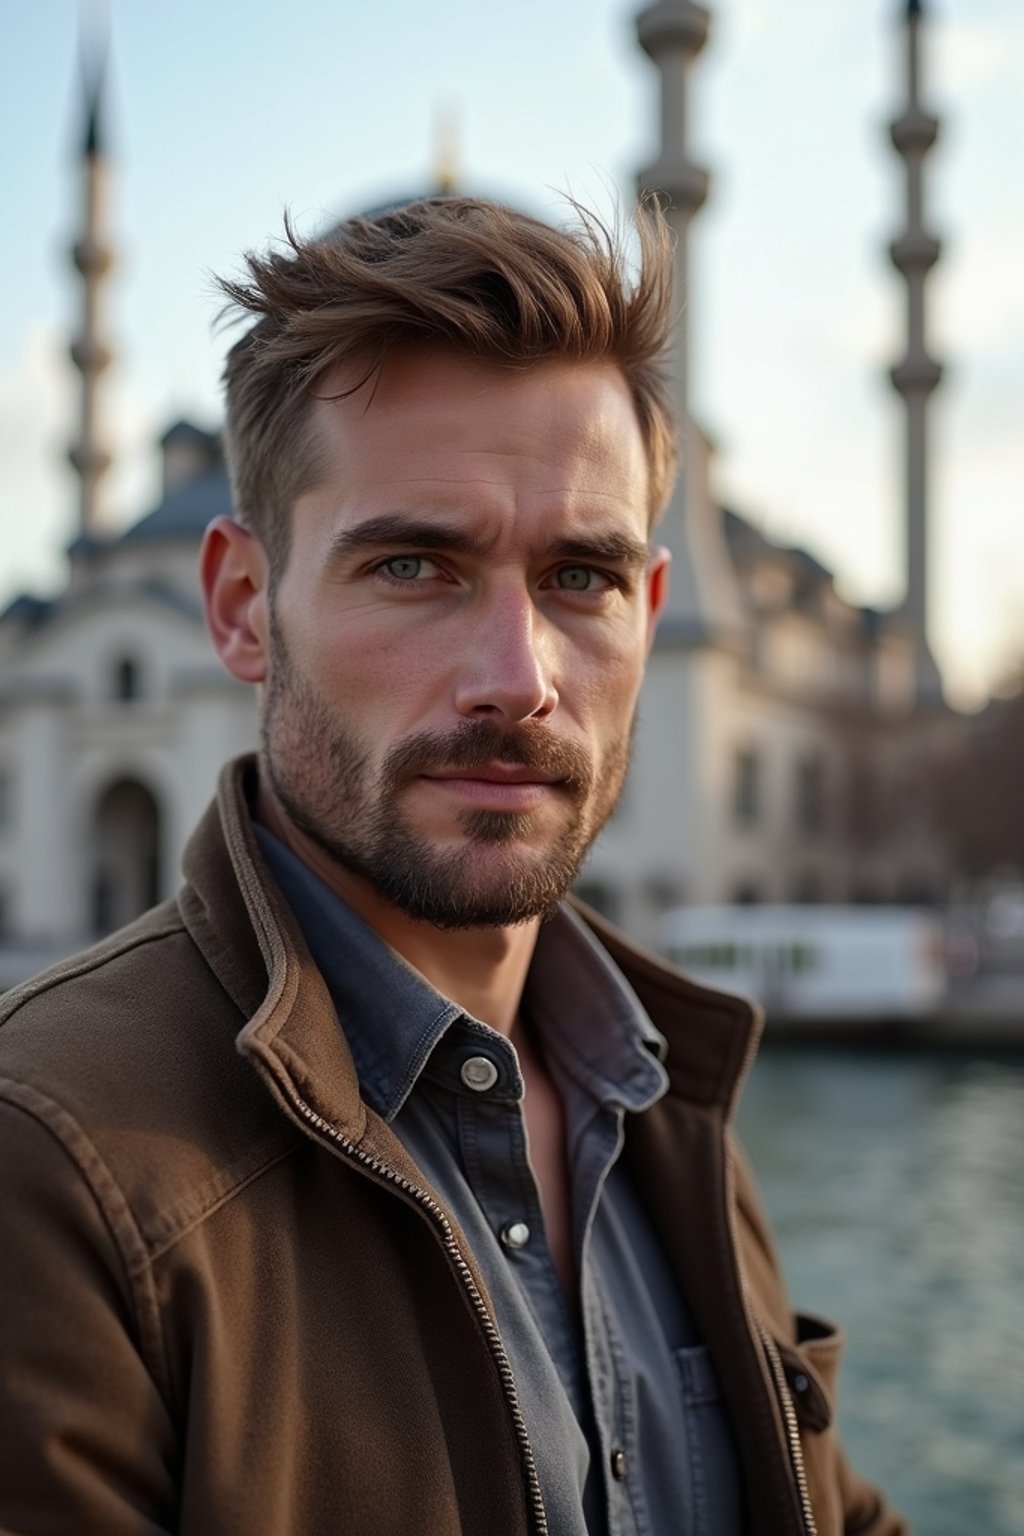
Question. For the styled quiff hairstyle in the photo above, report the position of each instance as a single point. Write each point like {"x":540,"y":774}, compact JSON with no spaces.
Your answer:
{"x":453,"y":274}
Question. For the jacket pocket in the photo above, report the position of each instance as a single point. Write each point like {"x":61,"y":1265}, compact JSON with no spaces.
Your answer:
{"x":812,"y":1370}
{"x":710,"y":1446}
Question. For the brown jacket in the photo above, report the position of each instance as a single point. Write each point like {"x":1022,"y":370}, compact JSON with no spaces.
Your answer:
{"x":230,"y":1304}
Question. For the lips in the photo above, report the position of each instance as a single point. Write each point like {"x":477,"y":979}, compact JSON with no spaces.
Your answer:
{"x":497,"y":773}
{"x":508,"y":788}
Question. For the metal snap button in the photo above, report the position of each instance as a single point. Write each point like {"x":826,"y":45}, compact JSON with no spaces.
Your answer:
{"x":515,"y":1235}
{"x":800,"y":1383}
{"x":478,"y":1073}
{"x":620,"y":1465}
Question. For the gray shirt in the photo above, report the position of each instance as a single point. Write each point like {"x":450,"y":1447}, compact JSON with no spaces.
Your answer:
{"x":621,"y":1401}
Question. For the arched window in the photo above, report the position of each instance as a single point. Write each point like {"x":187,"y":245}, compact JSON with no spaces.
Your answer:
{"x":746,"y":787}
{"x":126,"y":866}
{"x":126,"y":680}
{"x":810,"y":795}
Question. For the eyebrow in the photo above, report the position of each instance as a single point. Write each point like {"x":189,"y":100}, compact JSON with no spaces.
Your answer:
{"x":397,"y":528}
{"x":609,"y":548}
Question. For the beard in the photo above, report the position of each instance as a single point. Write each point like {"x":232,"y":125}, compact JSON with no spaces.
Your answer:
{"x":506,"y":868}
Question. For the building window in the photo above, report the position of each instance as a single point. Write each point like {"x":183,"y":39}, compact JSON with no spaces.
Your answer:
{"x":808,"y":890}
{"x":810,"y":794}
{"x":746,"y":794}
{"x":125,"y":682}
{"x":126,"y":869}
{"x":599,"y":895}
{"x":6,"y":798}
{"x":865,"y":811}
{"x":917,"y":891}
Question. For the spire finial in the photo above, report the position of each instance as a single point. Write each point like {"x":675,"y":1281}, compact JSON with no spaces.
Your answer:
{"x":446,"y":149}
{"x":93,"y":47}
{"x":92,"y":139}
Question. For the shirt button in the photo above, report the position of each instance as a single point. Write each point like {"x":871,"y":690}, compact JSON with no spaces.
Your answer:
{"x":478,"y":1073}
{"x":620,"y":1465}
{"x":515,"y":1235}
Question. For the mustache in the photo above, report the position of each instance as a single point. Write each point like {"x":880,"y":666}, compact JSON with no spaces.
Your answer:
{"x":470,"y":746}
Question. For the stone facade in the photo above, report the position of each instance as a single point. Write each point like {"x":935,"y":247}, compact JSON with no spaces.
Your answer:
{"x":115,"y":717}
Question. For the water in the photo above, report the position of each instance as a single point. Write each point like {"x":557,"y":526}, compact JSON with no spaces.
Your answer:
{"x":896,"y":1187}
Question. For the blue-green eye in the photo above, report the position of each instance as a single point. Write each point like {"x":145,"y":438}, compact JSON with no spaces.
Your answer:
{"x":580,"y":578}
{"x":406,"y":567}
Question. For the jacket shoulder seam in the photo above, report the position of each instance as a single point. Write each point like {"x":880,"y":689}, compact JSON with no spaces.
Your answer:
{"x":112,"y":1205}
{"x":82,"y":965}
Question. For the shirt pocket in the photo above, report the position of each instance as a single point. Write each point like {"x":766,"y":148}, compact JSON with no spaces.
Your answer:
{"x":710,"y":1446}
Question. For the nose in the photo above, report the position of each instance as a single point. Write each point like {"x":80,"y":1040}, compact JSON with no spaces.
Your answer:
{"x":505,"y":672}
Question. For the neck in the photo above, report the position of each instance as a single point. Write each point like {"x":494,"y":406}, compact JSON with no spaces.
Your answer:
{"x":481,"y":969}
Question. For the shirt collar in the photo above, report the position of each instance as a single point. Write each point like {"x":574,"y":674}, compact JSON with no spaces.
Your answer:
{"x":593,"y":1025}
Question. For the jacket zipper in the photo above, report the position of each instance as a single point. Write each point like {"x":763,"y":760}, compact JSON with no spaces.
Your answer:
{"x":497,"y":1348}
{"x":796,"y":1456}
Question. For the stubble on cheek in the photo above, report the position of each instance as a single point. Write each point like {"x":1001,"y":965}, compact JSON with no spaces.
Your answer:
{"x":309,"y":761}
{"x":324,"y":777}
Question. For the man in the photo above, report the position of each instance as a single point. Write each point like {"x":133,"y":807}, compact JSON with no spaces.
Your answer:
{"x":368,"y":1186}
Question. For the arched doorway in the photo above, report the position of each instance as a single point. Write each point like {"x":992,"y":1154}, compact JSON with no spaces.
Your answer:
{"x":126,"y":863}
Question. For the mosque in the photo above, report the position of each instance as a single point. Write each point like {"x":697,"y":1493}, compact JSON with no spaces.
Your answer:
{"x":787,"y":739}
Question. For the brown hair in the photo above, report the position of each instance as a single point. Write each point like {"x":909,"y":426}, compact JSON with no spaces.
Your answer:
{"x":452,"y":273}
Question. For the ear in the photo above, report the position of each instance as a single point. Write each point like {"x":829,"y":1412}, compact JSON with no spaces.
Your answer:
{"x":657,"y":589}
{"x":234,"y":572}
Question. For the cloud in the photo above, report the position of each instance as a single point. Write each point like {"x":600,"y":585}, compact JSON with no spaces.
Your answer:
{"x":867,"y":334}
{"x":969,"y":54}
{"x":752,"y":20}
{"x":979,"y":294}
{"x":38,"y":420}
{"x":35,"y":427}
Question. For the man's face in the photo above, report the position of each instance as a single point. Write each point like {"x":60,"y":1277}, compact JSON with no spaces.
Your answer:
{"x":458,"y":637}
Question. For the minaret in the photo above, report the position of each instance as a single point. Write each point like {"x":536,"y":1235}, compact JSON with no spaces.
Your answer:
{"x":704,"y":604}
{"x":93,"y":258}
{"x":917,"y":373}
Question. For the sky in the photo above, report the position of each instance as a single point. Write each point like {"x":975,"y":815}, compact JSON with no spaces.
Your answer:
{"x":221,"y":117}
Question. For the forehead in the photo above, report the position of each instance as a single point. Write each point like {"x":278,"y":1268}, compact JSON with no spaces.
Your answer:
{"x":450,"y":430}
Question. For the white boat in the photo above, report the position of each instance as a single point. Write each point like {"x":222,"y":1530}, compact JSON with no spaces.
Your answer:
{"x":837,"y":964}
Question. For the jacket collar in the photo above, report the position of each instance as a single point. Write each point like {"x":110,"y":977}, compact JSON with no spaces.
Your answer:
{"x":712,"y":1036}
{"x":249,"y":938}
